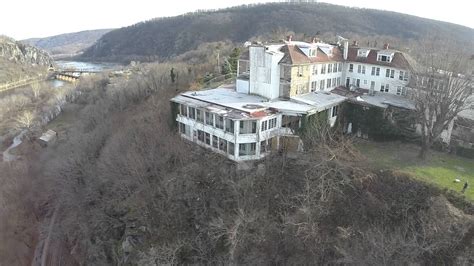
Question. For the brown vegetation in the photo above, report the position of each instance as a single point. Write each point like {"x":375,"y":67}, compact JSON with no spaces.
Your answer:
{"x":129,"y":191}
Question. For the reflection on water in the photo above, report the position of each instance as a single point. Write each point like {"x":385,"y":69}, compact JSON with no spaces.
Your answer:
{"x":56,"y":83}
{"x":85,"y":65}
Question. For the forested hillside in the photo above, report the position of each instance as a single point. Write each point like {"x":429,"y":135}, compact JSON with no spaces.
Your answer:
{"x":67,"y":44}
{"x":166,"y":37}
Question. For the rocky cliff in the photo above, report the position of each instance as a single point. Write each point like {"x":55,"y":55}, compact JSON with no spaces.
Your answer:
{"x":18,"y":60}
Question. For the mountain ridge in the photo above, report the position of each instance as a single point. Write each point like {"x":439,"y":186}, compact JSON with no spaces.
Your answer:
{"x":166,"y":37}
{"x":67,"y":44}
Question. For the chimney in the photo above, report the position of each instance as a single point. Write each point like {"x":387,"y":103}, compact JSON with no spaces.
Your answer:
{"x":346,"y":49}
{"x":316,"y":40}
{"x":355,"y":43}
{"x":290,"y":37}
{"x":386,"y":46}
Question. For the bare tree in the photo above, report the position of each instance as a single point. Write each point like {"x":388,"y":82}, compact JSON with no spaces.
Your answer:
{"x":36,"y":89}
{"x":26,"y":119}
{"x":442,"y":84}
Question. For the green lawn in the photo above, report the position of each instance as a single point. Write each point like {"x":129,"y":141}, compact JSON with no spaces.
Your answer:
{"x":439,"y":168}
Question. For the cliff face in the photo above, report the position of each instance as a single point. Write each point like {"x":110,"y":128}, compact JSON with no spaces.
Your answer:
{"x":20,"y":53}
{"x":18,"y":61}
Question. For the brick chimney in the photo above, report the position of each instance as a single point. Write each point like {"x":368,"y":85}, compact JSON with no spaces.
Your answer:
{"x":386,"y":46}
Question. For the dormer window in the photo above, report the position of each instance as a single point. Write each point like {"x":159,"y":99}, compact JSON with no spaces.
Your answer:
{"x":384,"y":58}
{"x":362,"y":52}
{"x":312,"y":52}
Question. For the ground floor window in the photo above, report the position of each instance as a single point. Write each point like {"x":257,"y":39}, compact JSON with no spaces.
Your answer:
{"x":231,"y":149}
{"x":334,"y":111}
{"x":200,"y":135}
{"x":215,"y":142}
{"x":266,"y":146}
{"x":208,"y":139}
{"x":223,"y":145}
{"x":182,"y":128}
{"x":247,"y":149}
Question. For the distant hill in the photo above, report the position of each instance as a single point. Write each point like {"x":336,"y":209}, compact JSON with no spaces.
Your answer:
{"x":68,"y":44}
{"x":19,"y":60}
{"x":167,"y":37}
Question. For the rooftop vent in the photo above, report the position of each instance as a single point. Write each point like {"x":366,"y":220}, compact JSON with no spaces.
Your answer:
{"x":252,"y":106}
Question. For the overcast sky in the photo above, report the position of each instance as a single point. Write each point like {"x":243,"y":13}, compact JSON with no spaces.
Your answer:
{"x":22,"y":19}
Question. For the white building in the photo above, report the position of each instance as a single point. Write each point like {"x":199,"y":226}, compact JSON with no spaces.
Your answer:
{"x":278,"y":86}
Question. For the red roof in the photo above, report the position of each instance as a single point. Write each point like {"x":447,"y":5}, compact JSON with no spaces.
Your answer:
{"x":295,"y":56}
{"x":398,"y":60}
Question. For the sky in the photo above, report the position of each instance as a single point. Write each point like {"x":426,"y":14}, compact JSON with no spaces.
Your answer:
{"x":41,"y":18}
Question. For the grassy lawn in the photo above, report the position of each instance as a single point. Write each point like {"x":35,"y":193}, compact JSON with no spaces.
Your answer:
{"x":439,"y":168}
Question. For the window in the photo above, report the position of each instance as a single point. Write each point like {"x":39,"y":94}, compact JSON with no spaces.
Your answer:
{"x":384,"y":58}
{"x":223,"y":145}
{"x":315,"y":69}
{"x":387,"y":73}
{"x":338,"y":81}
{"x":328,"y":83}
{"x":208,"y":138}
{"x":314,"y":84}
{"x":192,"y":113}
{"x":373,"y":71}
{"x":399,"y":90}
{"x":382,"y":88}
{"x":334,"y":82}
{"x":340,"y":67}
{"x":323,"y":69}
{"x":300,"y":71}
{"x":312,"y":52}
{"x":248,"y":127}
{"x":363,"y":69}
{"x":182,"y":128}
{"x":372,"y":85}
{"x":378,"y":71}
{"x":184,"y":110}
{"x":359,"y":69}
{"x":400,"y":77}
{"x":392,"y":73}
{"x":405,"y":78}
{"x":330,"y":68}
{"x":209,"y":119}
{"x":321,"y":84}
{"x":247,"y":149}
{"x":387,"y":88}
{"x":351,"y":67}
{"x":231,"y":150}
{"x":272,"y":123}
{"x":215,"y":142}
{"x":334,"y":111}
{"x":358,"y":83}
{"x":229,"y":126}
{"x":219,"y":121}
{"x":335,"y":68}
{"x":264,"y":126}
{"x":200,"y":116}
{"x":200,"y":135}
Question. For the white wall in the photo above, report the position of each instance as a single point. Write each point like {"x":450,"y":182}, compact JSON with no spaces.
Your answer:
{"x":243,"y":86}
{"x":318,"y":77}
{"x":365,"y":79}
{"x":264,"y":72}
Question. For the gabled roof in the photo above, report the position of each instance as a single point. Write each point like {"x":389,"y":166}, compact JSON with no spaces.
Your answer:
{"x":398,"y":60}
{"x":295,"y":56}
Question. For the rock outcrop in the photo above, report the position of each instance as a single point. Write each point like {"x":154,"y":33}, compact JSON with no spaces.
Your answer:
{"x":20,"y":53}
